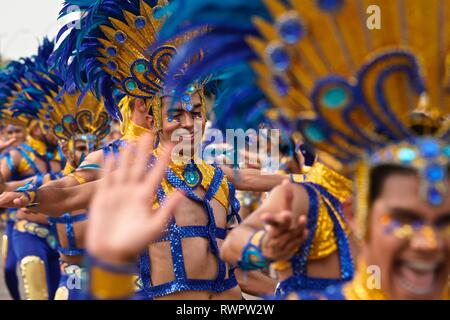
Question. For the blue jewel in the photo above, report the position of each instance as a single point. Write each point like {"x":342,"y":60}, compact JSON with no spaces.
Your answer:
{"x":51,"y":109}
{"x":434,"y":196}
{"x":446,"y":151}
{"x":140,"y":22}
{"x":191,"y":89}
{"x":279,"y":57}
{"x":111,"y":51}
{"x":334,"y":98}
{"x":68,"y":119}
{"x":281,"y":86}
{"x":429,"y":148}
{"x":406,"y":154}
{"x":434,"y":173}
{"x":169,"y":119}
{"x":186,"y":98}
{"x":141,"y":67}
{"x":58,"y":128}
{"x":131,"y":85}
{"x":192,"y":175}
{"x":330,"y":5}
{"x":48,"y":116}
{"x":291,"y":29}
{"x":46,"y":127}
{"x":314,"y":132}
{"x":111,"y":65}
{"x":188,"y":107}
{"x":120,"y":37}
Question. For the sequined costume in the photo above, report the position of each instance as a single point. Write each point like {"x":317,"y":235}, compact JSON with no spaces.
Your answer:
{"x":357,"y":93}
{"x":244,"y":105}
{"x":124,"y":59}
{"x":75,"y":119}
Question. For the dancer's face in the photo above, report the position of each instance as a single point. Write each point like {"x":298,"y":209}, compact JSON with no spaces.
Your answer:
{"x":178,"y":124}
{"x":409,"y":240}
{"x":17,"y":133}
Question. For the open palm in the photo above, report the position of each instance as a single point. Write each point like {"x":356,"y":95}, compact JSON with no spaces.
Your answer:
{"x":122,"y":222}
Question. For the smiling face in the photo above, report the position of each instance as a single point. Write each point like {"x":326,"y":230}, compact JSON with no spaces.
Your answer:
{"x":409,"y":240}
{"x":16,"y":133}
{"x":178,"y":124}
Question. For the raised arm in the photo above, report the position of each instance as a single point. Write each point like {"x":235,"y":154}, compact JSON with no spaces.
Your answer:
{"x":253,"y":179}
{"x":277,"y":228}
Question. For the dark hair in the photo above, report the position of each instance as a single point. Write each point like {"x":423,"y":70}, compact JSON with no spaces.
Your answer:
{"x":379,"y":174}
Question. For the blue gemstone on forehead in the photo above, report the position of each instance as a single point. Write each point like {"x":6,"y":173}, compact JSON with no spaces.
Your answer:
{"x":429,"y":148}
{"x":314,"y":132}
{"x":330,"y":5}
{"x":140,"y":22}
{"x":335,"y":98}
{"x":291,"y":30}
{"x":188,"y":107}
{"x":191,"y":89}
{"x":281,"y":86}
{"x":169,"y":119}
{"x":120,"y":37}
{"x":434,"y":197}
{"x":406,"y":154}
{"x":279,"y":57}
{"x":186,"y":98}
{"x":111,"y":51}
{"x":434,"y":173}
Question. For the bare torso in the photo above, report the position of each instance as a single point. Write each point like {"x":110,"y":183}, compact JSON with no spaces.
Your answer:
{"x":200,"y":262}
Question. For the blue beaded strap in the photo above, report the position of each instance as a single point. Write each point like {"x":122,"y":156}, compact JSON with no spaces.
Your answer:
{"x":68,"y":220}
{"x":235,"y":205}
{"x":175,"y":234}
{"x":11,"y":167}
{"x":299,"y":263}
{"x":61,"y":156}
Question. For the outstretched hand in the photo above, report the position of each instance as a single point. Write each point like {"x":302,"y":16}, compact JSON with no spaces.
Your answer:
{"x":121,"y":219}
{"x":285,"y":232}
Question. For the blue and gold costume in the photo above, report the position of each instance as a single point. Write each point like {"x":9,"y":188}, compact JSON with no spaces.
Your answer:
{"x":243,"y":104}
{"x":33,"y":242}
{"x":362,"y":96}
{"x":74,"y":119}
{"x":123,"y":36}
{"x":8,"y":81}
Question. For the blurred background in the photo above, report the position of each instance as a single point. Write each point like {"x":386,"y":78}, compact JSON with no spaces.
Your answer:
{"x":23,"y":23}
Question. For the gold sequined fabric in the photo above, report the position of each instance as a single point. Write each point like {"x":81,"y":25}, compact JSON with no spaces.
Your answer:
{"x":324,"y":241}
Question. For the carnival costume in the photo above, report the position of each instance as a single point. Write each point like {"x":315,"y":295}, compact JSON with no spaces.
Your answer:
{"x":362,"y":96}
{"x":33,"y":242}
{"x":120,"y":53}
{"x":242,"y":103}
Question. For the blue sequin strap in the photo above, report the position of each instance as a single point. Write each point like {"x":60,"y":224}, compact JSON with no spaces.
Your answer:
{"x":299,"y":263}
{"x":68,"y":220}
{"x":11,"y":167}
{"x":28,"y":159}
{"x":174,"y":234}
